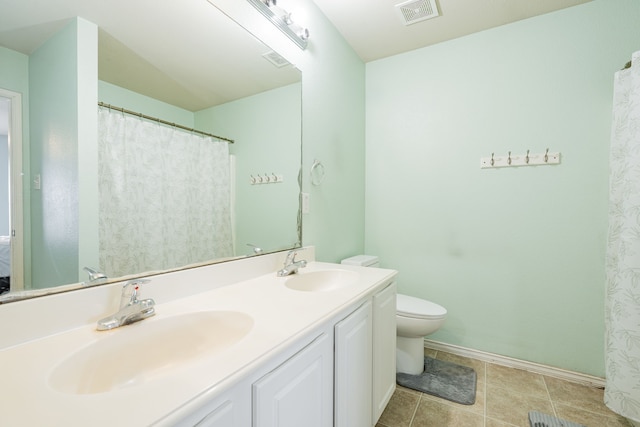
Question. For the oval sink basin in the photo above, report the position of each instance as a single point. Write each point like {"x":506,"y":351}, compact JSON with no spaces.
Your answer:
{"x":136,"y":353}
{"x":321,"y":280}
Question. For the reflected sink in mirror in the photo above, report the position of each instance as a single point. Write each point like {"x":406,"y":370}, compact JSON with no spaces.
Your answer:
{"x":322,"y":280}
{"x":137,"y":353}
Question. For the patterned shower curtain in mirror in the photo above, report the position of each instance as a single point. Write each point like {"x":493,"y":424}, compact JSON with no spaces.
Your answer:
{"x":164,"y":196}
{"x":622,"y":300}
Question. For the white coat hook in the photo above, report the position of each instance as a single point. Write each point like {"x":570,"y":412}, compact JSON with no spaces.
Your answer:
{"x":265,"y":178}
{"x":528,"y":159}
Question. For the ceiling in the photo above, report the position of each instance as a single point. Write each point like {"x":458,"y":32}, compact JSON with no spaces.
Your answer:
{"x":375,"y":30}
{"x":189,"y":54}
{"x":186,"y":53}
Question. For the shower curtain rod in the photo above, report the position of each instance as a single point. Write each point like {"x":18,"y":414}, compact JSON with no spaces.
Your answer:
{"x":164,"y":122}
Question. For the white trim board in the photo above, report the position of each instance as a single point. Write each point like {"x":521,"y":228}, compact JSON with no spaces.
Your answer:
{"x":537,"y":368}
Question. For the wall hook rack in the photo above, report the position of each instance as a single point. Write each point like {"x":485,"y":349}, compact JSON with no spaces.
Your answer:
{"x":265,"y":178}
{"x":528,"y":159}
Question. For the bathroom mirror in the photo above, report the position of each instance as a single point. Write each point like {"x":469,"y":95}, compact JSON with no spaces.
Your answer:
{"x":183,"y":62}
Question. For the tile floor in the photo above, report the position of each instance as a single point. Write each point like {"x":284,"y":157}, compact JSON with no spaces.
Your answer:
{"x":504,"y":397}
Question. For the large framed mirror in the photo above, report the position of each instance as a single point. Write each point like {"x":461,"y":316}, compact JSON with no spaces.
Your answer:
{"x":185,"y":63}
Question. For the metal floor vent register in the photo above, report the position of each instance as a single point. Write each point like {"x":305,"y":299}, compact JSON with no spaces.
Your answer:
{"x":538,"y":419}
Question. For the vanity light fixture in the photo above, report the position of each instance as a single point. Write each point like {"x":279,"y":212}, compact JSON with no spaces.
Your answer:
{"x":282,"y":19}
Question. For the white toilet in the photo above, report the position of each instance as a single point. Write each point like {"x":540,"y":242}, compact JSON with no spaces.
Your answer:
{"x":415,"y":317}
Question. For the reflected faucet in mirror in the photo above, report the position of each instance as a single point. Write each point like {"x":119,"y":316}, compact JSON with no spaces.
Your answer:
{"x":131,"y":308}
{"x":95,"y":276}
{"x":256,"y":250}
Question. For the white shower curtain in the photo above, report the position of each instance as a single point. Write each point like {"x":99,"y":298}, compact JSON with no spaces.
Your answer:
{"x":622,"y":300}
{"x":163,"y":196}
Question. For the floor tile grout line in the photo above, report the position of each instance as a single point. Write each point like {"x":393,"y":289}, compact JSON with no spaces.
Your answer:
{"x":484,"y":412}
{"x":553,"y":404}
{"x":415,"y":410}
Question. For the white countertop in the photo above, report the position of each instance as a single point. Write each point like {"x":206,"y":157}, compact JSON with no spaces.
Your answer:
{"x":280,"y":315}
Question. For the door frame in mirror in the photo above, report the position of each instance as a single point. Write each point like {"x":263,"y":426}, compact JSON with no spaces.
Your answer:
{"x":16,"y":221}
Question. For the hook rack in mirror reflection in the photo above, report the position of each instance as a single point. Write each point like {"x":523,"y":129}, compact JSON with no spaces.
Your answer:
{"x":317,"y":172}
{"x":265,"y":178}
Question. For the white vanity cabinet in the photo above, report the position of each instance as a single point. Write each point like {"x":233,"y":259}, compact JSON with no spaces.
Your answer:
{"x":365,"y":361}
{"x":299,"y":392}
{"x":231,"y":409}
{"x":360,"y":358}
{"x":221,"y":416}
{"x":320,"y":358}
{"x":354,"y":369}
{"x":340,"y":375}
{"x":384,"y":348}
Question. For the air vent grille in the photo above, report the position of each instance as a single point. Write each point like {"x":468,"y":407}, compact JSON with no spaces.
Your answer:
{"x":275,"y":59}
{"x":413,"y":11}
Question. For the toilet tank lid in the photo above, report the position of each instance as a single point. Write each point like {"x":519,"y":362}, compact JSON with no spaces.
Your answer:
{"x":417,"y":307}
{"x":361,"y":260}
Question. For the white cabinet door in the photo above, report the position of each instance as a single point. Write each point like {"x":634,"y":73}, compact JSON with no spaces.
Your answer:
{"x":222,"y":416}
{"x":230,"y":409}
{"x":384,"y":349}
{"x":299,"y":392}
{"x":353,"y":369}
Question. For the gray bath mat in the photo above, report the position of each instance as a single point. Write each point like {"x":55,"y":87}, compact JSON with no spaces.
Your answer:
{"x":538,"y":419}
{"x":443,"y":379}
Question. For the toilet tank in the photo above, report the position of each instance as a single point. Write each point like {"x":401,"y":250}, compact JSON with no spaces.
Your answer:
{"x":362,"y":261}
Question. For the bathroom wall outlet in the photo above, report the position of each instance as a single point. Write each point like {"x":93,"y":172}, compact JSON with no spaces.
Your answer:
{"x":305,"y":203}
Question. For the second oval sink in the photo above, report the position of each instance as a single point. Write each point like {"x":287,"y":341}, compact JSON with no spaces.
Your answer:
{"x":134,"y":354}
{"x":321,"y":280}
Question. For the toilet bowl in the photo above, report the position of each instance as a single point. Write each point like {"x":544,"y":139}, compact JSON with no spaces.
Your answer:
{"x":416,"y":318}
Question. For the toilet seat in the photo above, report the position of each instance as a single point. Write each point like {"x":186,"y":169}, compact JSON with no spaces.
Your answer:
{"x":417,"y":308}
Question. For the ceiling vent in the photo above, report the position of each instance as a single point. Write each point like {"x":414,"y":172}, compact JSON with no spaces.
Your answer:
{"x":275,"y":59}
{"x":413,"y":11}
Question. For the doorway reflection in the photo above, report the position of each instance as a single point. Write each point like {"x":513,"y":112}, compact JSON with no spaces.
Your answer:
{"x":5,"y":205}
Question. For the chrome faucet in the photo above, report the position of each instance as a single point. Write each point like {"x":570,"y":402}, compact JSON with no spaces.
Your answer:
{"x":256,"y":249}
{"x":131,"y":308}
{"x":95,"y":276}
{"x":291,"y":266}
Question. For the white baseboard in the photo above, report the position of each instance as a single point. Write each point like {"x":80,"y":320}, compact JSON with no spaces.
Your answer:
{"x":537,"y":368}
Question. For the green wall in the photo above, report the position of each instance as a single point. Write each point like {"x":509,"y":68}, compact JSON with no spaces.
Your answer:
{"x":516,"y":255}
{"x":61,"y":118}
{"x":333,"y":114}
{"x":267,"y":214}
{"x":124,"y":98}
{"x":333,"y":91}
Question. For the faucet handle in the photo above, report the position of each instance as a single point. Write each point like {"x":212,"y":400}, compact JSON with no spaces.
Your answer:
{"x":130,"y":291}
{"x":291,"y":257}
